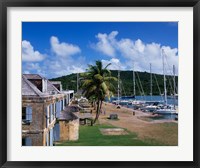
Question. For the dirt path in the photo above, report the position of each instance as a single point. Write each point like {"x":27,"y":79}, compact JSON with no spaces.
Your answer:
{"x":160,"y":132}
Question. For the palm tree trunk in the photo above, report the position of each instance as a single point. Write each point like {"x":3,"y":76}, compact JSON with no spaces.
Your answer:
{"x":95,"y":104}
{"x":97,"y":112}
{"x":101,"y":105}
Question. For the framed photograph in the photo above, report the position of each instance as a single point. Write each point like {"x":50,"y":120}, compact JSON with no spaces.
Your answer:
{"x":101,"y":84}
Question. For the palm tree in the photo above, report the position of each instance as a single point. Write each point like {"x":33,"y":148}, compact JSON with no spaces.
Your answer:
{"x":96,"y":84}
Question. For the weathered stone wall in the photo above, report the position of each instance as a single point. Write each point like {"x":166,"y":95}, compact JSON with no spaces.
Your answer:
{"x":74,"y":130}
{"x":38,"y":116}
{"x":64,"y":130}
{"x":69,"y":130}
{"x":36,"y":128}
{"x":36,"y":139}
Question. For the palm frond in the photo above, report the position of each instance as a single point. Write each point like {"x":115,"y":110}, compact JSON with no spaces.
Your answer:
{"x":107,"y":66}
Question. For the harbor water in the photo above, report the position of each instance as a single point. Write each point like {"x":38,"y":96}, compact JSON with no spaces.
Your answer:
{"x":150,"y":99}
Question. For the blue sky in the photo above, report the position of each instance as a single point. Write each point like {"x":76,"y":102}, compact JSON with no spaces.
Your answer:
{"x":55,"y":49}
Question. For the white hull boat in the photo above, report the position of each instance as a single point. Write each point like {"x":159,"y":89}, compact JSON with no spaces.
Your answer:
{"x":150,"y":108}
{"x":166,"y":111}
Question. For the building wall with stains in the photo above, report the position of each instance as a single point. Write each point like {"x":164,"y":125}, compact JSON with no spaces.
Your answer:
{"x":37,"y":131}
{"x":69,"y":130}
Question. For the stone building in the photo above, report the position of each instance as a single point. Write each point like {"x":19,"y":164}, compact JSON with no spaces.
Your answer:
{"x":57,"y":84}
{"x":69,"y":95}
{"x":69,"y":126}
{"x":42,"y":104}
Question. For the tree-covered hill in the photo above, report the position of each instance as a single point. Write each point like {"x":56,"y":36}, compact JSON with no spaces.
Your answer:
{"x":142,"y":82}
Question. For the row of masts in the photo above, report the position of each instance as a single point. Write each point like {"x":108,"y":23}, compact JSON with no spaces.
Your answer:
{"x":151,"y":85}
{"x":150,"y":82}
{"x":133,"y":81}
{"x":174,"y":80}
{"x":165,"y":88}
{"x":118,"y":87}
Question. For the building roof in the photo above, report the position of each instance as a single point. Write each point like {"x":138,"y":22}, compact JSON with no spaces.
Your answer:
{"x":29,"y":89}
{"x":51,"y":88}
{"x":72,"y":109}
{"x":32,"y":76}
{"x":67,"y":116}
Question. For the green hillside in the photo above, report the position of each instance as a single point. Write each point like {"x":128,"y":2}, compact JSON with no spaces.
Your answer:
{"x":70,"y":82}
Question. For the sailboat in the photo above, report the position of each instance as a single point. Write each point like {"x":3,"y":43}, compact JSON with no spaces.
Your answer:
{"x":166,"y":109}
{"x":118,"y":101}
{"x":124,"y":100}
{"x":136,"y":103}
{"x":153,"y":106}
{"x":174,"y":95}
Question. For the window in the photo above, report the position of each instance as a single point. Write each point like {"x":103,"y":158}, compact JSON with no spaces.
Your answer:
{"x":51,"y":137}
{"x":47,"y":139}
{"x":56,"y":132}
{"x":62,"y":105}
{"x":27,"y":114}
{"x":50,"y":113}
{"x":23,"y":113}
{"x":65,"y":102}
{"x":51,"y":108}
{"x":58,"y":109}
{"x":71,"y":96}
{"x":54,"y":110}
{"x":47,"y":116}
{"x":26,"y":141}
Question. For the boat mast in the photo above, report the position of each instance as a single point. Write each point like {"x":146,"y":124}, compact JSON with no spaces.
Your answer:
{"x":133,"y":81}
{"x":174,"y":86}
{"x":165,"y":90}
{"x":118,"y":88}
{"x":150,"y":82}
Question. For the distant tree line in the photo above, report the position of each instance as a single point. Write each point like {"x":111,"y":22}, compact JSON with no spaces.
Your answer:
{"x":69,"y":82}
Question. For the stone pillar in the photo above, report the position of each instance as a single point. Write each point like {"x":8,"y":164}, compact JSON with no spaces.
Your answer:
{"x":74,"y":130}
{"x":69,"y":130}
{"x":64,"y":130}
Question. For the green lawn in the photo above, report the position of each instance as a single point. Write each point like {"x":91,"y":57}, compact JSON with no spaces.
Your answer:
{"x":91,"y":136}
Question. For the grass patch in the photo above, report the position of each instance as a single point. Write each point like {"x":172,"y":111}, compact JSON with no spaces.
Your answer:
{"x":91,"y":136}
{"x":166,"y":134}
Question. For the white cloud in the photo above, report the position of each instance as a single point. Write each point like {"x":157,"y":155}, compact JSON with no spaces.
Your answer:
{"x":105,"y":43}
{"x":61,"y":66}
{"x":139,"y":46}
{"x":115,"y":64}
{"x":122,"y":54}
{"x":63,"y":49}
{"x":58,"y":64}
{"x":171,"y":59}
{"x":32,"y":66}
{"x":136,"y":52}
{"x":29,"y":54}
{"x":68,"y":70}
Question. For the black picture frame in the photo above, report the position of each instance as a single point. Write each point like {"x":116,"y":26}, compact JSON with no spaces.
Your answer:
{"x":97,"y":3}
